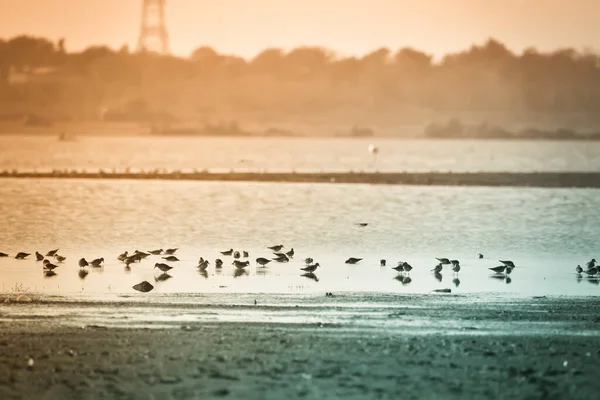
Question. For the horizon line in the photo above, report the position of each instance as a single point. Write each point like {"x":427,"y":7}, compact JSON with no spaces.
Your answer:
{"x":337,"y":54}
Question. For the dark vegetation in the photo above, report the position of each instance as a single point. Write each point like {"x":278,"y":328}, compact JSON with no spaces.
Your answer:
{"x":404,"y":92}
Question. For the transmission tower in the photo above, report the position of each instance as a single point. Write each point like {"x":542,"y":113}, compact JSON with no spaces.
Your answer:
{"x":153,"y":35}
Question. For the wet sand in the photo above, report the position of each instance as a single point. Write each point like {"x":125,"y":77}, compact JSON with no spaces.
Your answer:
{"x":533,"y":179}
{"x":463,"y":347}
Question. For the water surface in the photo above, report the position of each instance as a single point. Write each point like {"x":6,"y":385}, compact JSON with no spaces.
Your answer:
{"x":45,"y":153}
{"x":547,"y":232}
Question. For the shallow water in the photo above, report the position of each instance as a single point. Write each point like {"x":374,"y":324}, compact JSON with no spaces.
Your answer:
{"x":301,"y":154}
{"x":546,"y":232}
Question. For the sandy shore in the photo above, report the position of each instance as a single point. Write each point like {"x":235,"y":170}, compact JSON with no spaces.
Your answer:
{"x":533,"y":179}
{"x":539,"y":349}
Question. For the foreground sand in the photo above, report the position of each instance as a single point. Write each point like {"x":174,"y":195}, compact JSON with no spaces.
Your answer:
{"x":557,"y":359}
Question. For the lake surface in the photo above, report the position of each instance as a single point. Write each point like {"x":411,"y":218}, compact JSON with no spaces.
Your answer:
{"x":300,"y":154}
{"x":546,"y":232}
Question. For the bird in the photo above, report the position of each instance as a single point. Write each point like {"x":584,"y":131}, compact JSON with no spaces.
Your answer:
{"x":51,"y":253}
{"x":59,"y":258}
{"x":591,"y":264}
{"x":203,"y":265}
{"x":21,"y":255}
{"x":592,"y":271}
{"x":308,"y":260}
{"x":83,"y":263}
{"x":236,"y":254}
{"x":508,"y":270}
{"x":131,"y":259}
{"x":156,"y":252}
{"x":508,"y":263}
{"x":438,"y":268}
{"x":3,"y":254}
{"x":480,"y":256}
{"x":50,"y":266}
{"x":400,"y":266}
{"x":382,"y":263}
{"x":361,"y":224}
{"x":579,"y":269}
{"x":140,"y":254}
{"x":499,"y":269}
{"x":245,"y":254}
{"x":353,"y":260}
{"x":262,"y":261}
{"x":444,"y":261}
{"x":454,"y":262}
{"x":218,"y":263}
{"x":143,"y":287}
{"x":276,"y":247}
{"x":277,"y":255}
{"x":290,"y":253}
{"x":310,"y":268}
{"x":171,"y":251}
{"x":171,"y":258}
{"x":46,"y":261}
{"x":407,"y":267}
{"x":96,"y":262}
{"x":228,"y":252}
{"x":38,"y":256}
{"x":122,"y":256}
{"x":163,"y":267}
{"x":241,"y":264}
{"x":456,"y":268}
{"x":282,"y":258}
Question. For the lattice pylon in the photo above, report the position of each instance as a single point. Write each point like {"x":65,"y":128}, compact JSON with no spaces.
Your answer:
{"x":153,"y":34}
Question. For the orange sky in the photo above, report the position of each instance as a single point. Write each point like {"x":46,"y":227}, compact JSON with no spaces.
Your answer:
{"x":349,"y":26}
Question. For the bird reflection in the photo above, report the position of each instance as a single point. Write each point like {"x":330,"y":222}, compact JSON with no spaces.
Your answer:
{"x":456,"y":282}
{"x":262,"y":271}
{"x":594,"y":281}
{"x":162,"y":277}
{"x":502,"y":277}
{"x":579,"y":278}
{"x":310,"y":275}
{"x":405,"y":280}
{"x":82,"y":274}
{"x":239,"y":272}
{"x":49,"y":273}
{"x":202,"y":272}
{"x":438,"y":276}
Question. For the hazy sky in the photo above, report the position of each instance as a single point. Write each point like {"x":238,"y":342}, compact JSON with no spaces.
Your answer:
{"x":348,"y":26}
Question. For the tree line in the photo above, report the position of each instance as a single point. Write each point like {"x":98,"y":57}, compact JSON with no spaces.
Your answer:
{"x":486,"y":78}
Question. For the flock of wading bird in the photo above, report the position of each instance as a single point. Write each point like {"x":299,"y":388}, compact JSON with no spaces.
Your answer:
{"x":241,"y":262}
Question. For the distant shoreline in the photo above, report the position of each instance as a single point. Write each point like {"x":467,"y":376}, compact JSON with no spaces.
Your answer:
{"x":499,"y":179}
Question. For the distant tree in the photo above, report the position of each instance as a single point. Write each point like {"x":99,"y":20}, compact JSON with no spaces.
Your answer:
{"x":306,"y":62}
{"x":29,"y":52}
{"x":269,"y":61}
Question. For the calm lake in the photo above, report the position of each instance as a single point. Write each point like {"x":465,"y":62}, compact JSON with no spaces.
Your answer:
{"x":546,"y":232}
